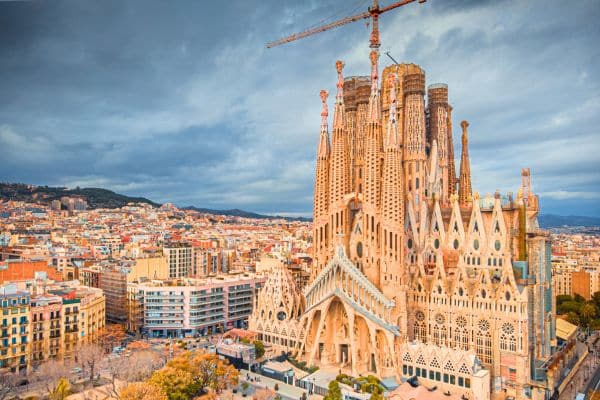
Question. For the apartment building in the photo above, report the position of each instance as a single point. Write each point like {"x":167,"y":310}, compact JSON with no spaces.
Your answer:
{"x":46,"y":326}
{"x":585,"y":282}
{"x":14,"y":330}
{"x":113,"y":282}
{"x":179,"y":259}
{"x":190,"y":307}
{"x":150,"y":267}
{"x":47,"y":322}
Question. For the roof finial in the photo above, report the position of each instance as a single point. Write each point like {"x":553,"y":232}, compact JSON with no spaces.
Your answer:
{"x":339,"y":66}
{"x":338,"y":114}
{"x":464,"y":125}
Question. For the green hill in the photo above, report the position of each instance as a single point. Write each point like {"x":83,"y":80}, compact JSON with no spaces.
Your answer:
{"x":95,"y":197}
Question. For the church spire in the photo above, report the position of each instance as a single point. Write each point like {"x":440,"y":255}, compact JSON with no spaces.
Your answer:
{"x":451,"y":166}
{"x":392,"y":201}
{"x":338,"y":113}
{"x":392,"y":141}
{"x":374,"y":106}
{"x":321,"y":192}
{"x":339,"y":170}
{"x":464,"y":191}
{"x":323,"y":151}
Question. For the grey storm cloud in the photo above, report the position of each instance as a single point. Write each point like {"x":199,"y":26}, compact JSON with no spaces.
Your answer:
{"x":182,"y":102}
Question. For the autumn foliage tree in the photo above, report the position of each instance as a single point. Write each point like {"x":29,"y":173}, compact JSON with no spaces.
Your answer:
{"x":179,"y":384}
{"x":111,"y":336}
{"x":61,"y":391}
{"x":142,"y":391}
{"x":191,"y":374}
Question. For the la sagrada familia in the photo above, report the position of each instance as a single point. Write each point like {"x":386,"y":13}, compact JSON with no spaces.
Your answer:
{"x":414,"y":274}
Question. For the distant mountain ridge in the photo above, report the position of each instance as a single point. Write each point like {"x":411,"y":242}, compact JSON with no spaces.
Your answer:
{"x":235,"y":212}
{"x":556,"y":221}
{"x":104,"y":198}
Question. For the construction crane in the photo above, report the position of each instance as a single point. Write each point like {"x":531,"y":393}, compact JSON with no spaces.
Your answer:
{"x":373,"y":12}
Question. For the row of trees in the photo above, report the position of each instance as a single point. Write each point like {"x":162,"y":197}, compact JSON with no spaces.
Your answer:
{"x":185,"y":377}
{"x":54,"y":376}
{"x":578,"y":311}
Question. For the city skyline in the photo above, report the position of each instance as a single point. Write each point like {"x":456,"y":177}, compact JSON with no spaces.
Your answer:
{"x":181,"y":106}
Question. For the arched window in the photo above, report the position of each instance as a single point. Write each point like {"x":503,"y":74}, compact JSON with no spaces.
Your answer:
{"x":503,"y":342}
{"x":461,"y":336}
{"x":483,"y":342}
{"x":420,"y":328}
{"x":439,"y":334}
{"x":508,"y":341}
{"x":439,"y":329}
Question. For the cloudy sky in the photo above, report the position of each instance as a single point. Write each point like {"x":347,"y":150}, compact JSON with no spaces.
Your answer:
{"x":181,"y":101}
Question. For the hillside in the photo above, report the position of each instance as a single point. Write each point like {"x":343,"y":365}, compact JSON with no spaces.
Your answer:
{"x":95,"y":197}
{"x":244,"y":214}
{"x":103,"y":198}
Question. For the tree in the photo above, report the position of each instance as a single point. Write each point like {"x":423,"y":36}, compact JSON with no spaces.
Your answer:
{"x":214,"y":373}
{"x":569,"y":306}
{"x":136,"y":368}
{"x":177,"y":383}
{"x":245,"y":387}
{"x":579,"y":298}
{"x":276,"y":387}
{"x":142,"y":391}
{"x":8,"y":384}
{"x":561,"y":298}
{"x":89,"y":356}
{"x":259,"y":348}
{"x":190,"y":374}
{"x":573,"y":318}
{"x":587,"y":312}
{"x":112,"y":335}
{"x":595,"y":325}
{"x":50,"y":373}
{"x":596,"y":299}
{"x":333,"y":391}
{"x":61,"y":391}
{"x":377,"y":394}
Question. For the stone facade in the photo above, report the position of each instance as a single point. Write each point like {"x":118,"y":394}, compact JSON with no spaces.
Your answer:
{"x":407,"y":259}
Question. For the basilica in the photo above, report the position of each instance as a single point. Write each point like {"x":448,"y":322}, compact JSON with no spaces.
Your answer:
{"x":414,"y":274}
